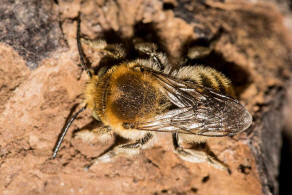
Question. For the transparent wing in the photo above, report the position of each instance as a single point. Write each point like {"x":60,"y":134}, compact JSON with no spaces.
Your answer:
{"x":200,"y":111}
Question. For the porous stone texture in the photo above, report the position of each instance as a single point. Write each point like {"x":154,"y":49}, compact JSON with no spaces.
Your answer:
{"x":250,"y":45}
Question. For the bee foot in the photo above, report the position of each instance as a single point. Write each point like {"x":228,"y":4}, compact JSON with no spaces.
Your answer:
{"x":191,"y":155}
{"x":218,"y":165}
{"x":85,"y":136}
{"x":87,"y":166}
{"x":195,"y":156}
{"x":107,"y":157}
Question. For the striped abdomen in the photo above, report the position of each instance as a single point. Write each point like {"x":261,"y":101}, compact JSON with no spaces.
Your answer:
{"x":207,"y":77}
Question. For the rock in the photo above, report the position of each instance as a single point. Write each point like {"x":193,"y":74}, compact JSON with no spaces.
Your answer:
{"x":248,"y":42}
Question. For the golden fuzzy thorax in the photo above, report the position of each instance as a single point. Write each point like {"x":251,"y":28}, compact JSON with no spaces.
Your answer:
{"x":122,"y":95}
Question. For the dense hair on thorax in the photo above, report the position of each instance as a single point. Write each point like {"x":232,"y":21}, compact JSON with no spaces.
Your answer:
{"x":123,"y":94}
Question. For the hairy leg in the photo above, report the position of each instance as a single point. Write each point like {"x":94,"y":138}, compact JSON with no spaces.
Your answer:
{"x":115,"y":51}
{"x":195,"y":156}
{"x":101,"y":133}
{"x":197,"y":52}
{"x":127,"y":149}
{"x":158,"y":60}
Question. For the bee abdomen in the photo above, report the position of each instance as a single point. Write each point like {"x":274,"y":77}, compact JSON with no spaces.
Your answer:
{"x":207,"y":77}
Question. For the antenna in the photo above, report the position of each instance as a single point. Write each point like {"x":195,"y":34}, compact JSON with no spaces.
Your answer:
{"x":83,"y":59}
{"x":62,"y":135}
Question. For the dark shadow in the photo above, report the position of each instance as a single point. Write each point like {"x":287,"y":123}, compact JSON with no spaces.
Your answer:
{"x":244,"y":169}
{"x":114,"y":37}
{"x":168,"y":6}
{"x":205,"y":179}
{"x":239,"y":77}
{"x":148,"y":33}
{"x":142,"y":33}
{"x":285,"y":165}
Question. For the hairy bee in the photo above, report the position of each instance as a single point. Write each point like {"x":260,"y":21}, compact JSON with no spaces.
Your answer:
{"x":136,"y":99}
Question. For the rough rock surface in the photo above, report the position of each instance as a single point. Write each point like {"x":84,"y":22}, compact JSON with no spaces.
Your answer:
{"x":251,"y":47}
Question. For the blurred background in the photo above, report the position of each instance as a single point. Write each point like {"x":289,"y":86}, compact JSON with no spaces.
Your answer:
{"x":286,"y":152}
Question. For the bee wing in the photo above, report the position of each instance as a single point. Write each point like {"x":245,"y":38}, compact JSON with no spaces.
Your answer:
{"x":200,"y":111}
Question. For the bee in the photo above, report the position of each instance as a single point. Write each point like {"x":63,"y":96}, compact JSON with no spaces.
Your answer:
{"x":136,"y":99}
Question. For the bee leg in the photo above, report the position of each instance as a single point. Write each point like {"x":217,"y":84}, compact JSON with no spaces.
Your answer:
{"x":157,"y":59}
{"x":196,"y":156}
{"x":101,"y":134}
{"x":204,"y":50}
{"x":198,"y":52}
{"x":115,"y":51}
{"x":128,"y":149}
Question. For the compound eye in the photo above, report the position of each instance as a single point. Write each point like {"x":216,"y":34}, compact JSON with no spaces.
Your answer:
{"x":139,"y":68}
